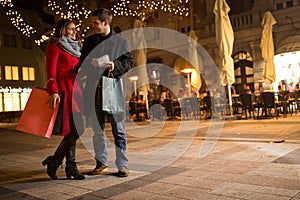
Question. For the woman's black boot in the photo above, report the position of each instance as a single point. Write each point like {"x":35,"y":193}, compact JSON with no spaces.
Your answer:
{"x":72,"y":171}
{"x":71,"y":167}
{"x":52,"y":166}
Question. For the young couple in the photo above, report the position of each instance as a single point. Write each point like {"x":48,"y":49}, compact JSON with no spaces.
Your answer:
{"x":64,"y":58}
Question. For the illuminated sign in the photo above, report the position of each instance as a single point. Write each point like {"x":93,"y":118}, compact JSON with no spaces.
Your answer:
{"x":15,"y":90}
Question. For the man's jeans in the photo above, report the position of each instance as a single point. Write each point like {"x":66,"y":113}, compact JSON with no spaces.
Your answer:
{"x":99,"y":138}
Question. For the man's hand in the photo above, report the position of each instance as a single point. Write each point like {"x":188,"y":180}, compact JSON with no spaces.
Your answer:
{"x":53,"y":100}
{"x":110,"y":66}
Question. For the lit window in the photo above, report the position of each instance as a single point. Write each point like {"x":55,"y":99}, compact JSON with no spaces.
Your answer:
{"x":1,"y":102}
{"x":0,"y":72}
{"x":11,"y":102}
{"x":24,"y":99}
{"x":28,"y":73}
{"x":11,"y":73}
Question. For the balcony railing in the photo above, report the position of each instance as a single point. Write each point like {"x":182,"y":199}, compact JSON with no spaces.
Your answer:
{"x":245,"y":20}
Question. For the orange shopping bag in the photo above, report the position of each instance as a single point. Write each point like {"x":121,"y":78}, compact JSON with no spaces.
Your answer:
{"x":37,"y":118}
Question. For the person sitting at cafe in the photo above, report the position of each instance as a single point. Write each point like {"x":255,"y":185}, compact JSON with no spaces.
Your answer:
{"x":279,"y":88}
{"x":248,"y":90}
{"x":297,"y":86}
{"x":261,"y":90}
{"x":290,"y":87}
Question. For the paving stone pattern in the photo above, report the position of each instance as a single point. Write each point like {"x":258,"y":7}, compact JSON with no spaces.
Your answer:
{"x":252,"y":159}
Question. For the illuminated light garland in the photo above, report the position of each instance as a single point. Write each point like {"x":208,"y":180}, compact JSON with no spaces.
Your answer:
{"x":73,"y":12}
{"x":144,"y":9}
{"x":16,"y":19}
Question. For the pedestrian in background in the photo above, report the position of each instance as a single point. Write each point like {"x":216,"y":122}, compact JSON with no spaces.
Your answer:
{"x":62,"y":59}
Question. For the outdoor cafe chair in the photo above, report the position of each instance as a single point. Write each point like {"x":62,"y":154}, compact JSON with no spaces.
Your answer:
{"x":291,"y":101}
{"x":268,"y":100}
{"x":172,"y":110}
{"x":136,"y":109}
{"x":214,"y":105}
{"x":248,"y":106}
{"x":190,"y":108}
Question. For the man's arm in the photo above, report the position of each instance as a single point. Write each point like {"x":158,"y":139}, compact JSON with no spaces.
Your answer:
{"x":123,"y":63}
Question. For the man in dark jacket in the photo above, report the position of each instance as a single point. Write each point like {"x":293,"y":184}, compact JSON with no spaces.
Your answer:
{"x":102,"y":53}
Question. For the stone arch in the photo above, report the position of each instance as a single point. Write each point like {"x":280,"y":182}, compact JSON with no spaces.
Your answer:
{"x":288,"y":44}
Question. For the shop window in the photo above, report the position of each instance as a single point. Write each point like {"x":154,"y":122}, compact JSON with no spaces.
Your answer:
{"x":11,"y":72}
{"x":12,"y":102}
{"x":28,"y":73}
{"x":1,"y":102}
{"x":24,"y":99}
{"x":9,"y":40}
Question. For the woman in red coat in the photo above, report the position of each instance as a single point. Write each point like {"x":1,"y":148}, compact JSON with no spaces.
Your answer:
{"x":62,"y":60}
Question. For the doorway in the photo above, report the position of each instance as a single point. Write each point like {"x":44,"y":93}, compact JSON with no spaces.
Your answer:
{"x":243,"y":71}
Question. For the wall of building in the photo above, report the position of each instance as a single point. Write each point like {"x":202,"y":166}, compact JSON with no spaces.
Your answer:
{"x":14,"y":93}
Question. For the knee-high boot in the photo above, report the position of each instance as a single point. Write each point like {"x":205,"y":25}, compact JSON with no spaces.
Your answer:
{"x":71,"y":167}
{"x":54,"y":161}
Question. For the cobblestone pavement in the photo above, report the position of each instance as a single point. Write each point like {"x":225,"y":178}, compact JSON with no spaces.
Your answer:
{"x":237,"y":159}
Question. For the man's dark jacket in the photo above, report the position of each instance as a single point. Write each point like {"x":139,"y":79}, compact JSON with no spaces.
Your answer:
{"x":96,"y":46}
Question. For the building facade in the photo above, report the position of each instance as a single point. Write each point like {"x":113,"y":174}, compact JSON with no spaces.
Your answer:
{"x":246,"y":19}
{"x":21,"y":67}
{"x":22,"y":62}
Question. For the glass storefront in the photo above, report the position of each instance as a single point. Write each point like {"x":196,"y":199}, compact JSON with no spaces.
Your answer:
{"x":287,"y":67}
{"x":13,"y":99}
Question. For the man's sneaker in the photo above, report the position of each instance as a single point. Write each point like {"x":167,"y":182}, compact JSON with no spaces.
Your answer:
{"x":99,"y":168}
{"x":123,"y":172}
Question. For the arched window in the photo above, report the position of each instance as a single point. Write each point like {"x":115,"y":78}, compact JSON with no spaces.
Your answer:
{"x":243,"y":71}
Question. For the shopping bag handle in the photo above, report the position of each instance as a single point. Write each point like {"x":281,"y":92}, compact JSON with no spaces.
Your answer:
{"x":45,"y":85}
{"x":110,"y":74}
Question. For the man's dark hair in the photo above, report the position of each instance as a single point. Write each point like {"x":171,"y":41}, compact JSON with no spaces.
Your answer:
{"x":103,"y":14}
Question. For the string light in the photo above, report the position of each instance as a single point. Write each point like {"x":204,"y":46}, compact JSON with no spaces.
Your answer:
{"x":145,"y":9}
{"x":72,"y":11}
{"x":16,"y":18}
{"x":141,"y":9}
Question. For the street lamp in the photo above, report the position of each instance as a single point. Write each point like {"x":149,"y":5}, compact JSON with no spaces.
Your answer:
{"x":188,"y":71}
{"x":156,"y":78}
{"x":134,"y":79}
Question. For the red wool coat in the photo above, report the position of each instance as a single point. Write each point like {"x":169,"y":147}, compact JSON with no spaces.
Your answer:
{"x":62,"y":70}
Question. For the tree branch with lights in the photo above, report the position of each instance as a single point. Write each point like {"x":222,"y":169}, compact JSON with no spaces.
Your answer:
{"x":144,"y":10}
{"x":17,"y":19}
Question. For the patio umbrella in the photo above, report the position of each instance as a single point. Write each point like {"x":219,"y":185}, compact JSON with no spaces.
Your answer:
{"x":225,"y":38}
{"x":267,"y":48}
{"x":139,"y":44}
{"x":195,"y":60}
{"x":140,"y":56}
{"x":193,"y":63}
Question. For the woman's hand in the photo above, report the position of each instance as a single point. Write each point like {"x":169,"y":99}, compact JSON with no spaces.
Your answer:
{"x":53,"y":100}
